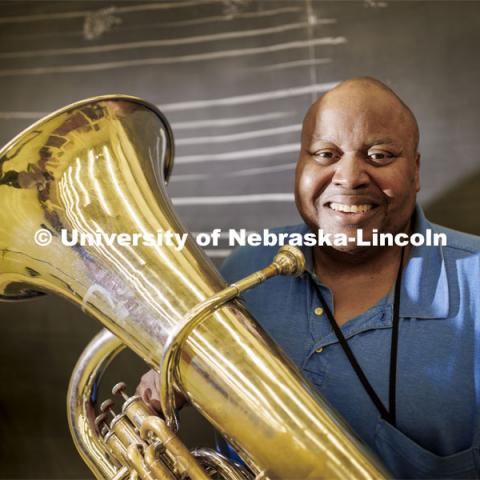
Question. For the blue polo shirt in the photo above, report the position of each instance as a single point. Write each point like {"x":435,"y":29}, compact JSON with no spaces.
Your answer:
{"x":438,"y":371}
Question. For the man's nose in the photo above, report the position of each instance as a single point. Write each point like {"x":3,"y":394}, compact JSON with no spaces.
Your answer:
{"x":350,"y":172}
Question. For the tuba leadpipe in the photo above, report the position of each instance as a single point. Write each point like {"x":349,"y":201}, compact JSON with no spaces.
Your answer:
{"x":99,"y":167}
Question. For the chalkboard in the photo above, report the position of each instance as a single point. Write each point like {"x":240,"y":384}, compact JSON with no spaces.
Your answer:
{"x":234,"y":78}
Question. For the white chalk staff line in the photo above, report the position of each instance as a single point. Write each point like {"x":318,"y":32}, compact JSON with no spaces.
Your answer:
{"x":41,"y":17}
{"x":216,"y":102}
{"x":228,"y":122}
{"x":285,"y":65}
{"x":155,"y":43}
{"x":266,"y":132}
{"x":179,"y":23}
{"x":189,"y":125}
{"x":21,"y":115}
{"x":237,"y":16}
{"x":95,"y":67}
{"x":233,"y":199}
{"x":240,"y":154}
{"x":248,"y":98}
{"x":188,"y":177}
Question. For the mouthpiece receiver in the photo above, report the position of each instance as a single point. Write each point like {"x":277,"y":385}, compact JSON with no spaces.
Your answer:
{"x":290,"y":261}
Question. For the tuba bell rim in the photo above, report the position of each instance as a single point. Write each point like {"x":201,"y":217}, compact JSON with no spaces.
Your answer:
{"x":168,"y":166}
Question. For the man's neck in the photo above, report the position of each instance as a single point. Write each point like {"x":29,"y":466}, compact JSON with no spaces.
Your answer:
{"x":358,"y":280}
{"x":329,"y":262}
{"x":332,"y":263}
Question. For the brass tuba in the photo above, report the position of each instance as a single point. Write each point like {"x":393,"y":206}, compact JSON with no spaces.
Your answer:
{"x":98,"y":168}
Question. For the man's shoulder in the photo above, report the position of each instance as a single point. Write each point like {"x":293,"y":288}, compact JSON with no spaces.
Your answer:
{"x":247,"y":259}
{"x":462,"y":254}
{"x":458,"y":242}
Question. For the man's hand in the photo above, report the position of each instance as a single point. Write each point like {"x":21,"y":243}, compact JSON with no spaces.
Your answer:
{"x":149,"y":390}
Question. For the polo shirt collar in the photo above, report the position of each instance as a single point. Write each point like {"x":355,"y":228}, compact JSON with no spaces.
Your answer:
{"x":424,"y":291}
{"x":425,"y":284}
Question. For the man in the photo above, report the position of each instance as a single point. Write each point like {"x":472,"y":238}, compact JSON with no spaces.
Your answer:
{"x":390,"y":336}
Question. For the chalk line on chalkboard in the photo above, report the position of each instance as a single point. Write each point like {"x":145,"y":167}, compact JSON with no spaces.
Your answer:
{"x":21,"y":115}
{"x":240,"y":154}
{"x":298,"y":63}
{"x":216,"y":102}
{"x":226,"y":122}
{"x":238,"y":136}
{"x":375,"y":3}
{"x":119,"y":10}
{"x":128,"y":26}
{"x":217,"y":55}
{"x":248,"y":98}
{"x":187,"y":125}
{"x":238,"y":16}
{"x":233,"y":199}
{"x":189,"y":177}
{"x":170,"y":42}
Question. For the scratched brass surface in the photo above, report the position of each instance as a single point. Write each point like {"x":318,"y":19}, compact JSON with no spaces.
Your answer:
{"x":99,"y":165}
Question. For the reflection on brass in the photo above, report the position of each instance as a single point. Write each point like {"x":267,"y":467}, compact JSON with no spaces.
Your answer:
{"x":288,"y":261}
{"x":100,"y":167}
{"x":217,"y":464}
{"x":80,"y":410}
{"x":184,"y":464}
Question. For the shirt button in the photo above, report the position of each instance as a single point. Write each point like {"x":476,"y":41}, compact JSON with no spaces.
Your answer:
{"x":318,"y":311}
{"x":319,"y":350}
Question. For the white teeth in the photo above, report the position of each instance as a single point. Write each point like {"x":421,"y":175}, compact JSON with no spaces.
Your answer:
{"x":341,"y":207}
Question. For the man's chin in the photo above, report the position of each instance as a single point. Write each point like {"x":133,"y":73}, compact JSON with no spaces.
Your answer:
{"x":350,"y":248}
{"x":349,"y":240}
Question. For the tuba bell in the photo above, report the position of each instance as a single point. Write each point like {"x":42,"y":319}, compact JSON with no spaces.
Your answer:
{"x":98,"y":169}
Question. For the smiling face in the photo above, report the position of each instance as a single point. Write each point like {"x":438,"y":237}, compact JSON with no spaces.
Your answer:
{"x":358,"y":165}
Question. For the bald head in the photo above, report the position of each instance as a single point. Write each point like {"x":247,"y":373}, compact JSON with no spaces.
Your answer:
{"x":359,"y":94}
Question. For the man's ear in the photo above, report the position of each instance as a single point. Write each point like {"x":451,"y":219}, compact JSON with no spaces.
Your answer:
{"x":417,"y":172}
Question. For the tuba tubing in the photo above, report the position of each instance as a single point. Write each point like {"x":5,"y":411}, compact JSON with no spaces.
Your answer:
{"x":84,"y":383}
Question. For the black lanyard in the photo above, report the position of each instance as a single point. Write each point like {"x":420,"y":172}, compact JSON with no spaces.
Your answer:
{"x":389,"y":414}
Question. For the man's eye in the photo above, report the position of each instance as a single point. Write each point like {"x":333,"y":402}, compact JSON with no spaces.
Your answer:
{"x":381,"y":157}
{"x":326,"y":155}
